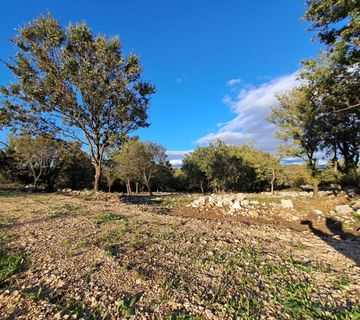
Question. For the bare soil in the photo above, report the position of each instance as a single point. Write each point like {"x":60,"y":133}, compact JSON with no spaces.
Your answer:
{"x":106,"y":259}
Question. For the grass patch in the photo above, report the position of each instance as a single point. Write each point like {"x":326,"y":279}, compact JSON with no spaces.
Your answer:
{"x":12,"y":193}
{"x":105,"y":217}
{"x":6,"y":220}
{"x":341,"y":282}
{"x":128,"y":307}
{"x":64,"y":305}
{"x":11,"y":263}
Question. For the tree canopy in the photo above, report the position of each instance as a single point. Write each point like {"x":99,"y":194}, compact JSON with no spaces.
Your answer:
{"x":76,"y":83}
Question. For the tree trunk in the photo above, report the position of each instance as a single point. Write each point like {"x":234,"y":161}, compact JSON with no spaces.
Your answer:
{"x":109,"y":188}
{"x":35,"y":183}
{"x":272,"y":182}
{"x":316,"y":188}
{"x":128,"y":187}
{"x":148,"y":188}
{"x":97,"y":176}
{"x":202,"y":186}
{"x":137,"y":187}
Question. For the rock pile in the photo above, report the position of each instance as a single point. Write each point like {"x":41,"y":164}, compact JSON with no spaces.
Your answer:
{"x":235,"y":203}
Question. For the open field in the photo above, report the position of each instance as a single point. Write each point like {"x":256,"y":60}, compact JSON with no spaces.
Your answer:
{"x":66,"y":257}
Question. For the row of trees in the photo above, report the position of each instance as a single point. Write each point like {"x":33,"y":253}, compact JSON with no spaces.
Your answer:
{"x":50,"y":164}
{"x":321,"y":118}
{"x":47,"y":161}
{"x":219,"y":167}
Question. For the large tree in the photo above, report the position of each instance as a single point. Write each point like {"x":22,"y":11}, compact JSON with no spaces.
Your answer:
{"x":337,"y":23}
{"x":73,"y":81}
{"x":334,"y":79}
{"x":297,"y":120}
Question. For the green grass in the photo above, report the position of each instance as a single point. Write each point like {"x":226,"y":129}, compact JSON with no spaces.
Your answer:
{"x":11,"y":262}
{"x":128,"y":307}
{"x":12,"y":193}
{"x":342,"y":282}
{"x":265,"y":199}
{"x":6,"y":220}
{"x":64,"y":305}
{"x":105,"y":217}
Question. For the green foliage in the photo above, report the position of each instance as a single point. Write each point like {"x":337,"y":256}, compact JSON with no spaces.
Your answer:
{"x":337,"y":24}
{"x":72,"y":81}
{"x":10,"y":264}
{"x":232,"y":168}
{"x":78,"y":171}
{"x":140,"y":161}
{"x":106,"y":216}
{"x":128,"y":307}
{"x":323,"y":115}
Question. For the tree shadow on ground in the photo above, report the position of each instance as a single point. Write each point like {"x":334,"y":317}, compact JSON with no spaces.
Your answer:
{"x":141,"y":199}
{"x":344,"y":242}
{"x":41,"y":219}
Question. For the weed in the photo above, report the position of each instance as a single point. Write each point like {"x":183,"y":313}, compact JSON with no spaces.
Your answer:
{"x":4,"y":221}
{"x":10,"y":264}
{"x":178,"y":315}
{"x":341,"y":282}
{"x":106,"y":216}
{"x":128,"y":307}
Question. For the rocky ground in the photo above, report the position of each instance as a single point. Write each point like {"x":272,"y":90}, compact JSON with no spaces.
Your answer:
{"x":80,"y":256}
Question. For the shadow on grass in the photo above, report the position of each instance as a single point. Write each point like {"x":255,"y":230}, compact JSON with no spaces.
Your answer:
{"x":13,"y":193}
{"x":345,"y":243}
{"x":142,"y":199}
{"x":50,"y":217}
{"x":61,"y":303}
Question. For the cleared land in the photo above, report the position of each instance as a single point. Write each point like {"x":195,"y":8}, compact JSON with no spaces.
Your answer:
{"x":66,"y":257}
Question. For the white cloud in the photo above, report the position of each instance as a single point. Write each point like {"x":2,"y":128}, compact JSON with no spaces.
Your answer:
{"x":176,"y":162}
{"x":233,"y":82}
{"x":176,"y":157}
{"x":251,"y":107}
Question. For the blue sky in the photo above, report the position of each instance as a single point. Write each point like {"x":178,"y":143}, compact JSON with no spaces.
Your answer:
{"x":216,"y":64}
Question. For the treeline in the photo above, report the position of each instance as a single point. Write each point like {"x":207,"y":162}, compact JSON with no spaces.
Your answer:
{"x":47,"y":163}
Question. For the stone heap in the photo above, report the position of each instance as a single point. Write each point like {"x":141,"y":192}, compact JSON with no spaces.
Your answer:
{"x":234,"y":203}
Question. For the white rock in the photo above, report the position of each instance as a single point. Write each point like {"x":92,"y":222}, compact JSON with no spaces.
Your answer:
{"x":343,"y":209}
{"x":236,"y":206}
{"x":227,"y":202}
{"x":287,"y":204}
{"x":245,"y":203}
{"x":212,"y":200}
{"x":319,"y":212}
{"x":219,"y":204}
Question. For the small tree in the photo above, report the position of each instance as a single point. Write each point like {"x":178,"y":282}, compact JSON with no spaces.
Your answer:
{"x":111,"y":171}
{"x":139,"y":160}
{"x":43,"y":156}
{"x":72,"y":81}
{"x":78,"y":171}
